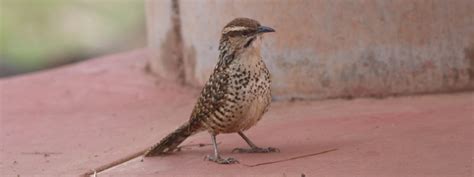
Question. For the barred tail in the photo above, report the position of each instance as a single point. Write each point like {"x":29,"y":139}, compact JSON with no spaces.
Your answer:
{"x":171,"y":142}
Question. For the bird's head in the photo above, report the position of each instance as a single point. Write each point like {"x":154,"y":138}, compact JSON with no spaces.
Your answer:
{"x":243,"y":32}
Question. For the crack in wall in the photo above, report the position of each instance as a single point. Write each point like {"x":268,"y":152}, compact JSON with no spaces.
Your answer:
{"x":177,"y":41}
{"x":167,"y":53}
{"x":176,"y":28}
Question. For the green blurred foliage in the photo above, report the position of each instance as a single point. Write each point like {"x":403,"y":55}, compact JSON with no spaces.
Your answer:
{"x":35,"y":34}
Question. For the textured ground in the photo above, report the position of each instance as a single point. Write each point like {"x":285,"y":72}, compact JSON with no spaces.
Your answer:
{"x":67,"y":121}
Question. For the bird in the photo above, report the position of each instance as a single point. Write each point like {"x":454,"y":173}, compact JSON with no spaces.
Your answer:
{"x":235,"y":97}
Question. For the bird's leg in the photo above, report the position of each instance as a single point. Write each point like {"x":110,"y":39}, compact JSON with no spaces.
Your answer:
{"x":217,"y":158}
{"x":253,"y":147}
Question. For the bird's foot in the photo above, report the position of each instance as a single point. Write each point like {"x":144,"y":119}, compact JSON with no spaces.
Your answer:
{"x":220,"y":160}
{"x":256,"y":150}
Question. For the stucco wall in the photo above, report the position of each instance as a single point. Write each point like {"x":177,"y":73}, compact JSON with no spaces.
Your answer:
{"x":335,"y":48}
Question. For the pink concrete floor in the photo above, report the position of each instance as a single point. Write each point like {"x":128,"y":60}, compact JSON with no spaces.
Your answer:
{"x":68,"y":121}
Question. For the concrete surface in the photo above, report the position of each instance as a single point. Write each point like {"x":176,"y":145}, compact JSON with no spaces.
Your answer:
{"x":427,"y":136}
{"x":68,"y":121}
{"x":338,"y":48}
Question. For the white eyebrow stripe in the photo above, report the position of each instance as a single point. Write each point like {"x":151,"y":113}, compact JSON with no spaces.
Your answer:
{"x":234,"y":28}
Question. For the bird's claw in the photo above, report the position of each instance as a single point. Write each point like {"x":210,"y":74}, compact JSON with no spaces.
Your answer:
{"x":219,"y":160}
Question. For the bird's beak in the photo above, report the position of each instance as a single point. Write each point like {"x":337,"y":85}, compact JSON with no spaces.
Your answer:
{"x":264,"y":29}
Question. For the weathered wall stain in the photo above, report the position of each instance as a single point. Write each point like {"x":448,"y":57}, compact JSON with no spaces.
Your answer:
{"x":190,"y":66}
{"x":167,"y":56}
{"x":469,"y":55}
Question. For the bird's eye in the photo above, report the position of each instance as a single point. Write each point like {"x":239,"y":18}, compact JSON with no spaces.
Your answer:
{"x":245,"y":33}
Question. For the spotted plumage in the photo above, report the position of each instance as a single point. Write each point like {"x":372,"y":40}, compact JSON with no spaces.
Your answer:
{"x":236,"y":95}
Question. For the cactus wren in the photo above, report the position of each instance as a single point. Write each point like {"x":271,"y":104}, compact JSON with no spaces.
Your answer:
{"x":236,"y":95}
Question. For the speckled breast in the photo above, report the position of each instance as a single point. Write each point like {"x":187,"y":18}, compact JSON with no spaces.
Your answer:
{"x":249,"y":95}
